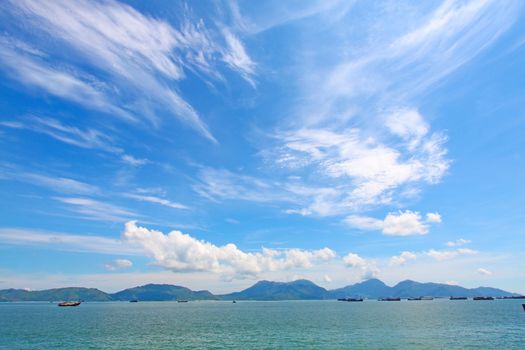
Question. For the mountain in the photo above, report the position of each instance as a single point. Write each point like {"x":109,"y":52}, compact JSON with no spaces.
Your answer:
{"x":263,"y":290}
{"x":267,"y":290}
{"x":162,"y":292}
{"x":57,"y":294}
{"x":372,"y":288}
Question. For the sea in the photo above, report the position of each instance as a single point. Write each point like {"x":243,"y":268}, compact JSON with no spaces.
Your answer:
{"x":436,"y":324}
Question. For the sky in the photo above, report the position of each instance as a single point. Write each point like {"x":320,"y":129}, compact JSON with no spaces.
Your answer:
{"x":214,"y":144}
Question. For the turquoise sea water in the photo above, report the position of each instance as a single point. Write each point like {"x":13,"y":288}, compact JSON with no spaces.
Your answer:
{"x":437,"y":324}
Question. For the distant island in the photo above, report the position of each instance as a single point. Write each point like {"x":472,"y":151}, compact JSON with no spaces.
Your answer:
{"x":262,"y":290}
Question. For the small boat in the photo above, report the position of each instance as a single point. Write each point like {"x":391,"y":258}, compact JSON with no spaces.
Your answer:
{"x":390,"y":299}
{"x":458,"y":298}
{"x":134,"y":301}
{"x":234,"y":302}
{"x":182,"y":301}
{"x":69,"y":303}
{"x":483,"y":298}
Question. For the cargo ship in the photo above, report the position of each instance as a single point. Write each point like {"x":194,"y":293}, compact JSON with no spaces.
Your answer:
{"x":389,"y":299}
{"x":458,"y":298}
{"x":350,"y":299}
{"x":483,"y":298}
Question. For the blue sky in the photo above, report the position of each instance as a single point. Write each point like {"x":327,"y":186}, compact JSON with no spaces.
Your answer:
{"x":213,"y":144}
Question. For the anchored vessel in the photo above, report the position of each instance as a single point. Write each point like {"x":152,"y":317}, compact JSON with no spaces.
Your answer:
{"x":350,"y":299}
{"x":390,"y":299}
{"x":69,"y":303}
{"x":458,"y":298}
{"x":483,"y":298}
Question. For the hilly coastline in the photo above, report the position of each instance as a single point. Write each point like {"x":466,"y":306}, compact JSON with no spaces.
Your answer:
{"x":262,"y":290}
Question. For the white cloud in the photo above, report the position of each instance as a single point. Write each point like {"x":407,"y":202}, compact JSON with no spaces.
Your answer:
{"x":157,"y":200}
{"x":68,"y":242}
{"x":402,"y":223}
{"x":458,"y":242}
{"x":177,"y":251}
{"x":365,"y":172}
{"x":327,"y":279}
{"x":55,"y":183}
{"x":118,"y":264}
{"x":402,"y":258}
{"x":449,"y":254}
{"x":140,"y":57}
{"x":84,"y":138}
{"x":433,"y":218}
{"x":219,"y":184}
{"x":136,"y":162}
{"x":485,"y":272}
{"x":97,"y":210}
{"x":237,"y":57}
{"x":368,"y":268}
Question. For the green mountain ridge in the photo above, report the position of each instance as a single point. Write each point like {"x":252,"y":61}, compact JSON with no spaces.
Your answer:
{"x":262,"y":290}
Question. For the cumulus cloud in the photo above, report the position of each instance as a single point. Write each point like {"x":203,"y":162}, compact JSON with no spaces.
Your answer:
{"x":118,"y":264}
{"x":458,"y":242}
{"x":368,"y":268}
{"x":484,"y":272}
{"x":449,"y":254}
{"x":402,"y":258}
{"x":433,"y":218}
{"x":402,"y":223}
{"x":177,"y":251}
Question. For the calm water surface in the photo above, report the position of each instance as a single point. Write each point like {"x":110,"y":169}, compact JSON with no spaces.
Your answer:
{"x":437,"y":324}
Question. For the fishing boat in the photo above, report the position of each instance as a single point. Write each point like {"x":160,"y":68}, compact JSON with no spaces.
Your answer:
{"x":69,"y":303}
{"x":458,"y":298}
{"x":483,"y":298}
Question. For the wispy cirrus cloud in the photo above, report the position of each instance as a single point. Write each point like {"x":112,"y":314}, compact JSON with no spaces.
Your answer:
{"x":357,"y":127}
{"x":59,"y":184}
{"x":97,"y":210}
{"x":68,"y":242}
{"x":156,"y":200}
{"x":139,"y":62}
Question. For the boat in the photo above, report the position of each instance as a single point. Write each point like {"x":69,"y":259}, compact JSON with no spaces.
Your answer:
{"x":69,"y":303}
{"x":414,"y":299}
{"x":483,"y":298}
{"x":390,"y":299}
{"x":458,"y":298}
{"x":350,"y":299}
{"x":182,"y":301}
{"x":134,"y":301}
{"x":234,"y":302}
